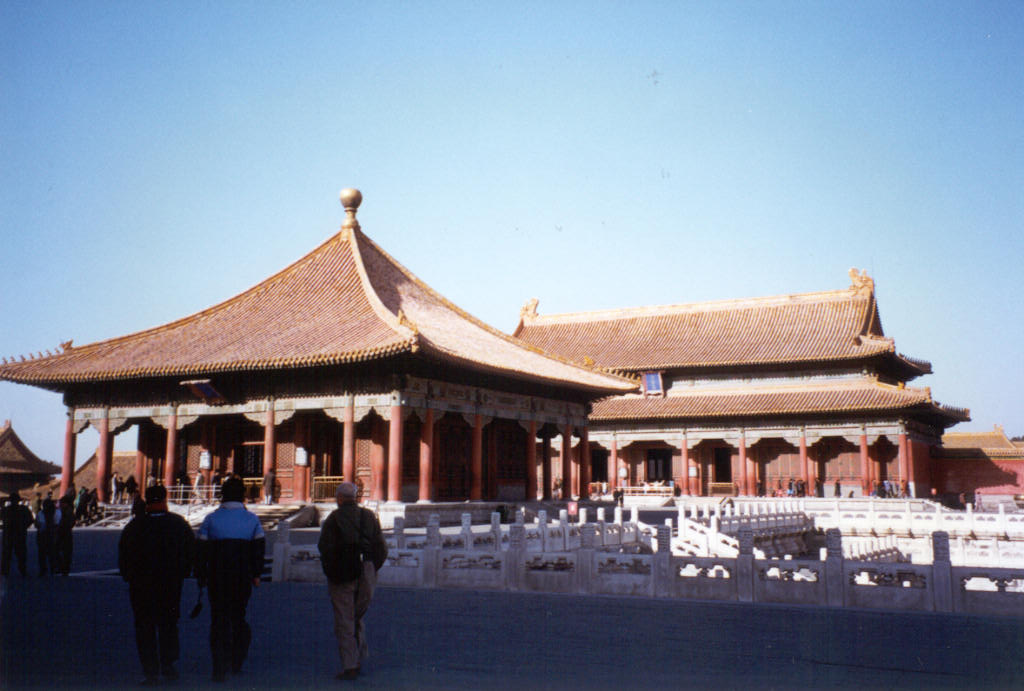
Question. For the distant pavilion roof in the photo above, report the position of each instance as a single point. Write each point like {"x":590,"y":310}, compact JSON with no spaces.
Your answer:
{"x":18,"y":459}
{"x":862,"y":395}
{"x":837,"y":325}
{"x":993,"y":444}
{"x":346,"y":301}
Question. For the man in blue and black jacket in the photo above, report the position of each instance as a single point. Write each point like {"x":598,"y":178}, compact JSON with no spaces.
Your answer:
{"x":229,"y":564}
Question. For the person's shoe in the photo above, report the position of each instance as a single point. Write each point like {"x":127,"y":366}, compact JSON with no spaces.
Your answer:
{"x":169,"y":672}
{"x":349,"y":674}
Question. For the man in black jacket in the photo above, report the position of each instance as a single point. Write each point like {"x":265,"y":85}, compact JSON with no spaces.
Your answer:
{"x":352,"y":549}
{"x":230,"y":561}
{"x":17,"y":519}
{"x":155,"y":554}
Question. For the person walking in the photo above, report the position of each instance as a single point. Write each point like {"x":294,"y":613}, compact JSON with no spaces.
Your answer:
{"x":229,"y":564}
{"x":46,"y":537}
{"x":352,"y":550}
{"x":268,"y":486}
{"x":17,"y":518}
{"x":155,"y":554}
{"x":64,"y":538}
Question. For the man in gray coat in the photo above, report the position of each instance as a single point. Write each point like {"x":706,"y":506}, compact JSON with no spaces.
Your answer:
{"x":352,"y":549}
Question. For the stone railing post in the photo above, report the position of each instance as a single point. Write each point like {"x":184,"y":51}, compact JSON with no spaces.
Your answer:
{"x":400,"y":532}
{"x":600,"y":514}
{"x":835,"y":586}
{"x":282,"y":553}
{"x":585,"y":560}
{"x":496,"y":530}
{"x":583,"y":515}
{"x":542,"y":523}
{"x":467,"y":531}
{"x":661,"y":585}
{"x":618,"y":515}
{"x":634,"y":515}
{"x":432,"y":551}
{"x":942,"y":572}
{"x":745,"y":566}
{"x":602,"y":535}
{"x":515,"y":557}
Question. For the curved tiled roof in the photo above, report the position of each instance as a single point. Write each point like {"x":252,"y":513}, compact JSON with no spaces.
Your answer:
{"x":860,"y":396}
{"x":346,"y":301}
{"x":812,"y":327}
{"x":16,"y":458}
{"x":993,"y":442}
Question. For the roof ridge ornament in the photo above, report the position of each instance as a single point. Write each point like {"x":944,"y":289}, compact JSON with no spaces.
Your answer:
{"x":528,"y":312}
{"x":350,"y":198}
{"x":861,"y":283}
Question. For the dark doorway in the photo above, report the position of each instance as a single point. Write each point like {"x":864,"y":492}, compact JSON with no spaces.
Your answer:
{"x":659,"y":465}
{"x":722,"y":471}
{"x":249,"y":460}
{"x":599,"y":465}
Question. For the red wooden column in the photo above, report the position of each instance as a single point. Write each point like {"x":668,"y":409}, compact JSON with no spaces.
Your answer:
{"x":805,"y":467}
{"x":171,"y":450}
{"x":691,"y":479}
{"x":546,"y":469}
{"x":395,"y":453}
{"x":744,"y":471}
{"x":269,"y":444}
{"x":377,"y":468}
{"x":300,"y":474}
{"x":865,"y":469}
{"x":531,"y":462}
{"x":585,"y":461}
{"x":426,"y":456}
{"x":67,"y":469}
{"x":103,"y":459}
{"x":566,"y":462}
{"x":903,"y":457}
{"x":613,"y":466}
{"x":140,"y":457}
{"x":911,"y":478}
{"x":476,"y":466}
{"x":348,"y":444}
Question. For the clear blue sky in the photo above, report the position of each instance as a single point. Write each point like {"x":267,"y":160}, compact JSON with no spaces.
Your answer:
{"x":160,"y":157}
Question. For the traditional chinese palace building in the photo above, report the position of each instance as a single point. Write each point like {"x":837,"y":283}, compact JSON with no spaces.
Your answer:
{"x":344,"y":364}
{"x":740,"y":396}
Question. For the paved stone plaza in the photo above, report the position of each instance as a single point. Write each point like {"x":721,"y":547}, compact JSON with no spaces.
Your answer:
{"x":77,"y":632}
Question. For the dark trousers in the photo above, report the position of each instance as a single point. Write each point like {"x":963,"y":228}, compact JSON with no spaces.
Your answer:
{"x":229,"y":632}
{"x":156,"y":628}
{"x":19,"y":547}
{"x":64,"y":546}
{"x":45,"y":549}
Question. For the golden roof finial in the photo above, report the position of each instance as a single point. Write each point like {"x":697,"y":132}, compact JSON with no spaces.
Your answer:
{"x":861,"y":282}
{"x":351,"y":198}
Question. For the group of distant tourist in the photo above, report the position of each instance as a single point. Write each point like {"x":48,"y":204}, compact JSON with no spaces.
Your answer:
{"x":158,"y":550}
{"x":887,"y":489}
{"x":54,"y":522}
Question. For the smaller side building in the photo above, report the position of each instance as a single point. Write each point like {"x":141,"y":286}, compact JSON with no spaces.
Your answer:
{"x":983,"y":466}
{"x":19,"y":467}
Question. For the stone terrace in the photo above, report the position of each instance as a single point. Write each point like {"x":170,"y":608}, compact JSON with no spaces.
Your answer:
{"x":77,"y":632}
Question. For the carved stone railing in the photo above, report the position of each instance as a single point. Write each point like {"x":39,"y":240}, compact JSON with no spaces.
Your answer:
{"x":421,"y":561}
